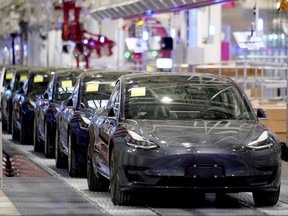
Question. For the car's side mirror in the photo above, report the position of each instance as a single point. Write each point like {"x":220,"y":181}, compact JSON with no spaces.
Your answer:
{"x":21,"y":84}
{"x":261,"y":114}
{"x":82,"y":105}
{"x":21,"y":91}
{"x":69,"y":102}
{"x":45,"y":96}
{"x":111,"y":112}
{"x":284,"y":151}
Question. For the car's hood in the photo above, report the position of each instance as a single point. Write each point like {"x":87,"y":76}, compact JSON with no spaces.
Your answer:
{"x":87,"y":112}
{"x":198,"y":133}
{"x":86,"y":115}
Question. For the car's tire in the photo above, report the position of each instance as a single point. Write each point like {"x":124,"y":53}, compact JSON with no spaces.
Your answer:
{"x":15,"y":132}
{"x":118,"y":197}
{"x":48,"y":152}
{"x":72,"y":166}
{"x":266,"y":198}
{"x":74,"y":169}
{"x":9,"y":123}
{"x":23,"y":137}
{"x":59,"y":159}
{"x":95,"y":182}
{"x":4,"y":122}
{"x":36,"y":143}
{"x":4,"y":125}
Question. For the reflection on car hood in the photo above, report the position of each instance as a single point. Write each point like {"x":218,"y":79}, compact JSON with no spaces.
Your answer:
{"x":88,"y":112}
{"x":33,"y":99}
{"x":189,"y":134}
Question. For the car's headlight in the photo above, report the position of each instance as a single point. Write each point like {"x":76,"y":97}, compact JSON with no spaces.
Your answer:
{"x":261,"y":142}
{"x":135,"y":140}
{"x":32,"y":103}
{"x":30,"y":107}
{"x":57,"y":109}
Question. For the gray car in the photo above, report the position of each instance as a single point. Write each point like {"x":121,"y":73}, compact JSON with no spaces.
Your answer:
{"x":182,"y":131}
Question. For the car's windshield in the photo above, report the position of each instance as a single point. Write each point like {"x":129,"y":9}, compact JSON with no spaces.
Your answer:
{"x":18,"y":78}
{"x":38,"y":83}
{"x":97,"y":90}
{"x":184,"y":97}
{"x":9,"y":73}
{"x":65,"y":85}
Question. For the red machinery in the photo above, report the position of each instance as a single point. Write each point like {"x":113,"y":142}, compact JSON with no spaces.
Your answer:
{"x":85,"y":41}
{"x":134,"y":29}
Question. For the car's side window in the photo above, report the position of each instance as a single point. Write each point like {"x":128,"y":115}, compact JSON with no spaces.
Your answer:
{"x":16,"y":84}
{"x":75,"y":95}
{"x":115,"y":100}
{"x":50,"y":89}
{"x":12,"y":83}
{"x":25,"y":87}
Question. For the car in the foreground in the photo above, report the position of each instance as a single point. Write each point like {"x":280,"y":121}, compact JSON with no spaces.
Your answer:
{"x":20,"y":75}
{"x":23,"y":103}
{"x":92,"y":91}
{"x":46,"y":107}
{"x":182,"y":131}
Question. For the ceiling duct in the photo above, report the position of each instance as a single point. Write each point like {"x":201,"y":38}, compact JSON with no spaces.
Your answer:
{"x":132,"y":8}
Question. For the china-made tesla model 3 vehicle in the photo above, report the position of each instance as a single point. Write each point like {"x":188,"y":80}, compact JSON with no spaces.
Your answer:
{"x":7,"y":96}
{"x":7,"y":73}
{"x":46,"y":107}
{"x":92,"y":91}
{"x":191,"y":131}
{"x":23,"y":103}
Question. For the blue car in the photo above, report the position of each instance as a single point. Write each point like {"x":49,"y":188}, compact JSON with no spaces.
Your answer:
{"x":23,"y":103}
{"x":7,"y":73}
{"x":46,"y":107}
{"x":19,"y":76}
{"x":92,"y":91}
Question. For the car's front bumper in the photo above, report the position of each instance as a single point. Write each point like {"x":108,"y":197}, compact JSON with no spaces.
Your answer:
{"x":202,"y":169}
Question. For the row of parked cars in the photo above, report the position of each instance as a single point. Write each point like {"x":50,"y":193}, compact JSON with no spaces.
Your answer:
{"x":128,"y":131}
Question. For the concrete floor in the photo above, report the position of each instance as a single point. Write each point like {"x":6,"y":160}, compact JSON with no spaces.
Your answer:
{"x":42,"y":189}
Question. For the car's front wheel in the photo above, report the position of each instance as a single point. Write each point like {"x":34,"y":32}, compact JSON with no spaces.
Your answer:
{"x":95,"y":182}
{"x":9,"y":123}
{"x":23,"y":132}
{"x":118,"y":197}
{"x":72,"y":166}
{"x":59,"y":159}
{"x":47,"y":142}
{"x":36,"y":142}
{"x":15,"y":132}
{"x":266,"y":198}
{"x":4,"y":123}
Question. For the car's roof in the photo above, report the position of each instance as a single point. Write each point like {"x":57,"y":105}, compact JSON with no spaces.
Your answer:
{"x":22,"y":70}
{"x":64,"y":73}
{"x":41,"y":70}
{"x":200,"y":76}
{"x":103,"y":72}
